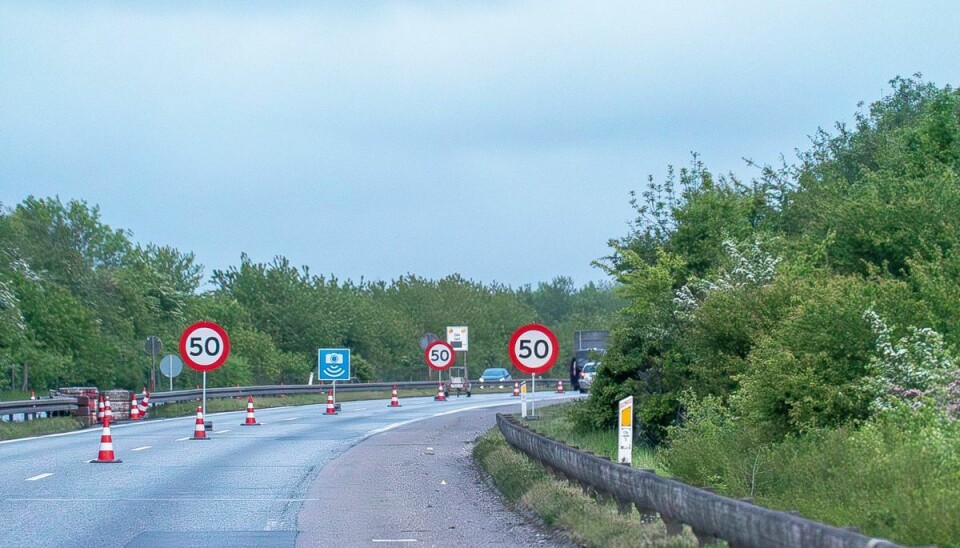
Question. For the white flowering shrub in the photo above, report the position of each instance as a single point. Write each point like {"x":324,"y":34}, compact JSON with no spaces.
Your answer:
{"x":751,"y":267}
{"x":917,"y":370}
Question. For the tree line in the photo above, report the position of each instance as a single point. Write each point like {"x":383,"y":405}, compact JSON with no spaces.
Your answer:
{"x":78,"y":298}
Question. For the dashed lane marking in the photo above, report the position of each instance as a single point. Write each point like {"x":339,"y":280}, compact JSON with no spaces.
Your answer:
{"x":142,"y":448}
{"x":40,"y":476}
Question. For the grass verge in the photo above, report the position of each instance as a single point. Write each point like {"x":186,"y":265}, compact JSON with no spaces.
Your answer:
{"x":38,"y":427}
{"x":559,"y":504}
{"x":555,"y":424}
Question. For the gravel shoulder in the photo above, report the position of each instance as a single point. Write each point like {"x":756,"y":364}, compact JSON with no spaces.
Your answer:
{"x":415,"y":485}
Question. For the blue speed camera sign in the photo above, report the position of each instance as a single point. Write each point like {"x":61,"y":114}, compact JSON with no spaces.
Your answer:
{"x":334,"y":364}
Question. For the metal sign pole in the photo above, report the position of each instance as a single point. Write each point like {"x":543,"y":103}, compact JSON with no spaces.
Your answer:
{"x":204,"y":396}
{"x":533,"y":390}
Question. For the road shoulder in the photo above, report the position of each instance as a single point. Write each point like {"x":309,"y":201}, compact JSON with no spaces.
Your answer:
{"x":416,"y":484}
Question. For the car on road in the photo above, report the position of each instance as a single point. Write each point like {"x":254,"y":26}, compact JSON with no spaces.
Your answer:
{"x":587,"y":374}
{"x":495,"y":374}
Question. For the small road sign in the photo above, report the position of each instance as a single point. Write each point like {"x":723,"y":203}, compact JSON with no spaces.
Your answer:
{"x":439,"y":355}
{"x":204,"y":346}
{"x":625,"y":420}
{"x":153,"y":346}
{"x":171,"y":366}
{"x":457,"y":337}
{"x":334,"y":364}
{"x":533,"y":349}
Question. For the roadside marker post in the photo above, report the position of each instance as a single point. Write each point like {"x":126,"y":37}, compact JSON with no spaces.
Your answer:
{"x":625,"y":420}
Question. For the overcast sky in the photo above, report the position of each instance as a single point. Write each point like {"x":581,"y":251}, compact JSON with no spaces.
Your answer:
{"x":497,"y":140}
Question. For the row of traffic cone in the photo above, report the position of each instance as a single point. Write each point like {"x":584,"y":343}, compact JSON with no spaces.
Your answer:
{"x":106,"y":453}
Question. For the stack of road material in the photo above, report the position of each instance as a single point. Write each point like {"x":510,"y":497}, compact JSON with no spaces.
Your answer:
{"x":86,"y":402}
{"x":119,"y":404}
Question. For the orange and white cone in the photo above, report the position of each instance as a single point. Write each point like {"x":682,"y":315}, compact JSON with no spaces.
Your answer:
{"x":251,"y":420}
{"x":106,"y":445}
{"x":560,"y":387}
{"x":394,"y":401}
{"x":440,"y":395}
{"x":199,"y":432}
{"x":144,"y":403}
{"x":331,"y":408}
{"x":134,"y":410}
{"x":107,"y":412}
{"x":101,"y":409}
{"x":516,"y":388}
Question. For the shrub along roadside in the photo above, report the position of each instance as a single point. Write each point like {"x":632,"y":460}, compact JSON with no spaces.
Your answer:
{"x":897,"y":476}
{"x":559,"y":504}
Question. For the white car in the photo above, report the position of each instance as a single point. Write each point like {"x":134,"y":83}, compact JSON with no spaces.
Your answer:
{"x":587,"y":374}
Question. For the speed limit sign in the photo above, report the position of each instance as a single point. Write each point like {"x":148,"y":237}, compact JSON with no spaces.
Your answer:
{"x":204,"y":346}
{"x":533,"y":348}
{"x":439,"y":355}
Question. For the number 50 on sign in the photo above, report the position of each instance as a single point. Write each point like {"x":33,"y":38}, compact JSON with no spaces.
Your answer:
{"x":204,"y":346}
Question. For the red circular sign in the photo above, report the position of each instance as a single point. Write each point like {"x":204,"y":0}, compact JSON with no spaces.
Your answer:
{"x":204,"y":346}
{"x":439,"y":355}
{"x":533,"y":348}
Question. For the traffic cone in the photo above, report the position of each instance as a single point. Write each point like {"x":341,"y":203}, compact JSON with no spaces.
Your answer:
{"x":106,"y":445}
{"x":394,"y":402}
{"x":516,"y":388}
{"x":144,"y":403}
{"x":107,"y":412}
{"x":134,"y":409}
{"x":560,"y":387}
{"x":331,"y":409}
{"x":251,"y":420}
{"x":199,"y":432}
{"x":101,"y":409}
{"x":440,"y":395}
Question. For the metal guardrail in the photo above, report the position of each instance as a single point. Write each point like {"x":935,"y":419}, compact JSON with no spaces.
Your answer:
{"x":48,"y":405}
{"x":277,"y":390}
{"x":711,"y":516}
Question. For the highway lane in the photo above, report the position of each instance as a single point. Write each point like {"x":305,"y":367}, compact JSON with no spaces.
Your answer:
{"x":245,"y":484}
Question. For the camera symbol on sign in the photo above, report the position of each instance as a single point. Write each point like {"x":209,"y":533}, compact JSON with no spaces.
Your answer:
{"x":333,"y":359}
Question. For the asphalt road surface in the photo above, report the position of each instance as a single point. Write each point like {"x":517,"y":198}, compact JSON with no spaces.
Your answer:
{"x":371,"y":475}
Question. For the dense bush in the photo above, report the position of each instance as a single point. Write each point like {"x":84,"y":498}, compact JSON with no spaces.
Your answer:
{"x":795,"y":339}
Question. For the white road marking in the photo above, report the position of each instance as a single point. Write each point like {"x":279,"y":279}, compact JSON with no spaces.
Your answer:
{"x":142,"y":448}
{"x":198,"y":498}
{"x":221,"y":431}
{"x":184,"y":439}
{"x":394,"y":540}
{"x":40,"y":476}
{"x":290,"y":419}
